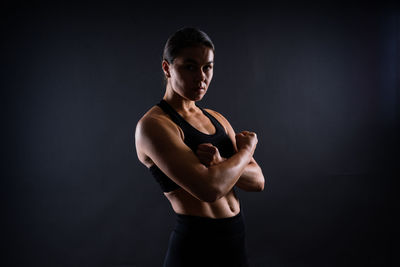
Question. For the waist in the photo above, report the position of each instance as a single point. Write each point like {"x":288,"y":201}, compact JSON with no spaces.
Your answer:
{"x":183,"y":203}
{"x":204,"y":226}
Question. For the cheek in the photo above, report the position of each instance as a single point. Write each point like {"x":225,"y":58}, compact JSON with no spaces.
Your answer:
{"x":176,"y":77}
{"x":179,"y":81}
{"x":209,"y":76}
{"x":184,"y":79}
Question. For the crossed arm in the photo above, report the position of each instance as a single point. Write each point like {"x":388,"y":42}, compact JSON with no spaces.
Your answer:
{"x":161,"y":141}
{"x":251,"y":179}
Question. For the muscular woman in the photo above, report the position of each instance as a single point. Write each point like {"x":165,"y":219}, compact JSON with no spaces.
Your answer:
{"x":197,"y":158}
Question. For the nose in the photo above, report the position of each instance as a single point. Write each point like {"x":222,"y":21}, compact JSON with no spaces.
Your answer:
{"x":200,"y":76}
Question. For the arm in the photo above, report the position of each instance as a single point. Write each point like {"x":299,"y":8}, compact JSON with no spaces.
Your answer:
{"x":252,"y":178}
{"x":160,"y":139}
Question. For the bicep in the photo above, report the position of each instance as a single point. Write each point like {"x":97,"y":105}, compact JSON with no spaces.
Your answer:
{"x":165,"y":147}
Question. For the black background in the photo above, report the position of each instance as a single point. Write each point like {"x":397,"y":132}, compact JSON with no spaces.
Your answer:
{"x":318,"y":83}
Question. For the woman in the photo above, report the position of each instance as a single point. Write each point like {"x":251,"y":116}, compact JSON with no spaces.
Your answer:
{"x":197,"y":158}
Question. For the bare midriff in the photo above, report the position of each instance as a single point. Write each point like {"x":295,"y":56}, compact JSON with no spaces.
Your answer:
{"x":183,"y":202}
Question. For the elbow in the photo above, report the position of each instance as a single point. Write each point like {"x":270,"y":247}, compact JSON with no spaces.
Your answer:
{"x":205,"y":192}
{"x":216,"y":193}
{"x":260,"y":186}
{"x":206,"y":195}
{"x":211,"y":191}
{"x":211,"y":195}
{"x":261,"y":182}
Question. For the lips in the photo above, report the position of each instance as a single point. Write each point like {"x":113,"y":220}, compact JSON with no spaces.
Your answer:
{"x":202,"y":86}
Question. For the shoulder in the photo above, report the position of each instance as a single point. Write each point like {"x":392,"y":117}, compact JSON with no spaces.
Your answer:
{"x":155,"y":131}
{"x":155,"y":123}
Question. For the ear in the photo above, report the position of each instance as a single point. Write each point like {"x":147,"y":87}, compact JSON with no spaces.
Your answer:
{"x":165,"y":66}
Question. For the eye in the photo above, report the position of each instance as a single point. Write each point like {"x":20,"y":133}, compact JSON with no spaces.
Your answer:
{"x":208,"y":67}
{"x":190,"y":67}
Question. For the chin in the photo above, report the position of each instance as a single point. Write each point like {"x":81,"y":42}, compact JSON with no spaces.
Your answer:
{"x":194,"y":97}
{"x":198,"y":97}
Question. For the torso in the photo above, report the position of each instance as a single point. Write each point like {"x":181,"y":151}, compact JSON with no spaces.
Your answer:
{"x":181,"y":201}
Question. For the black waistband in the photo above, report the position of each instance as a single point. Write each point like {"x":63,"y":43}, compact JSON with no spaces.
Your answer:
{"x":198,"y":226}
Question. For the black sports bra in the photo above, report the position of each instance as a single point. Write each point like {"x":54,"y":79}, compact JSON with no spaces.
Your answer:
{"x":193,"y":138}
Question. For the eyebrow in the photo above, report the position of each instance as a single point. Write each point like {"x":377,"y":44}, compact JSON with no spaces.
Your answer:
{"x":194,"y":61}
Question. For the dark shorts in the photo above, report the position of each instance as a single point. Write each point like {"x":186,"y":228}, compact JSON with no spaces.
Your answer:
{"x":201,"y":241}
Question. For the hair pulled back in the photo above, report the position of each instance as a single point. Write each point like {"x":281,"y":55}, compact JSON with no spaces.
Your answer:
{"x":185,"y":37}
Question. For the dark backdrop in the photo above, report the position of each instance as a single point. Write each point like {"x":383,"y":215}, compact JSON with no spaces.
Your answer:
{"x":319,"y":84}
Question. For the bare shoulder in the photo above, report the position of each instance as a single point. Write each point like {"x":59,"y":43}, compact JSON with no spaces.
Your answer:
{"x":154,"y":124}
{"x":153,"y":113}
{"x":155,"y":119}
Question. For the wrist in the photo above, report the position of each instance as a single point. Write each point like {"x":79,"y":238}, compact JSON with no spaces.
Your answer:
{"x":246,"y":152}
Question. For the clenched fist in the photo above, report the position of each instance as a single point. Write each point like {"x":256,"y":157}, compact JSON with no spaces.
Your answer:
{"x":208,"y":154}
{"x":246,"y":140}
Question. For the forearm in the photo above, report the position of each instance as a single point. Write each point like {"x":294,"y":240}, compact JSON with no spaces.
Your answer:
{"x":252,"y":178}
{"x":225,"y":174}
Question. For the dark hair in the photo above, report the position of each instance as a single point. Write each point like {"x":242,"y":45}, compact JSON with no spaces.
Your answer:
{"x":185,"y":37}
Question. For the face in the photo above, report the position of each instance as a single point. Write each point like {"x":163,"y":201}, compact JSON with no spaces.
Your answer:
{"x":191,"y":72}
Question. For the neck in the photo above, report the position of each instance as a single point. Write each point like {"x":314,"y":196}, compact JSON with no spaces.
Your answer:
{"x":179,"y":103}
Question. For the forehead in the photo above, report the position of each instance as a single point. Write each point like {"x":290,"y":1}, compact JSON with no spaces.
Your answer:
{"x":197,"y":54}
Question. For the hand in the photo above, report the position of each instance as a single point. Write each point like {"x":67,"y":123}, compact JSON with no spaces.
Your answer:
{"x":246,"y":140}
{"x":209,"y":154}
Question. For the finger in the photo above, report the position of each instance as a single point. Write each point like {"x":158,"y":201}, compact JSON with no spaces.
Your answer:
{"x":204,"y":154}
{"x":248,"y":133}
{"x":252,"y":134}
{"x":204,"y":158}
{"x":205,"y":145}
{"x":207,"y":148}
